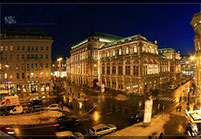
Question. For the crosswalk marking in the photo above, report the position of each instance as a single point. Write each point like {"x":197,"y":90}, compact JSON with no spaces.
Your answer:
{"x":167,"y":99}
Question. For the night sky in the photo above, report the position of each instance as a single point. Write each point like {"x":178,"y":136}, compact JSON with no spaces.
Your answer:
{"x":68,"y":24}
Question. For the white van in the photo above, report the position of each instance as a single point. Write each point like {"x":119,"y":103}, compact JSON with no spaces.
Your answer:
{"x":17,"y":110}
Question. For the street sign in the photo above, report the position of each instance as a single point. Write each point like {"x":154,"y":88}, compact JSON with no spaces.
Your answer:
{"x":148,"y":111}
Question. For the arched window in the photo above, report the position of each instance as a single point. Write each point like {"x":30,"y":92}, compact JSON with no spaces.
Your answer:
{"x":119,"y":51}
{"x":135,"y":49}
{"x":127,"y":50}
{"x":113,"y":53}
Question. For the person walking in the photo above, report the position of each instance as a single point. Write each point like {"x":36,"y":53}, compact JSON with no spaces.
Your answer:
{"x":180,"y":108}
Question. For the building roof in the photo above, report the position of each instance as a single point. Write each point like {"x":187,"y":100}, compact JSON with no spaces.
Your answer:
{"x":162,"y":56}
{"x":103,"y":37}
{"x":22,"y":32}
{"x":166,"y":50}
{"x":123,"y":40}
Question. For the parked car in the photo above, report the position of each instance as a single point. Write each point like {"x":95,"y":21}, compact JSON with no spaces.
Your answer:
{"x":192,"y":130}
{"x":53,"y":107}
{"x":172,"y":86}
{"x":69,"y":135}
{"x":35,"y":102}
{"x":3,"y":111}
{"x":102,"y":129}
{"x":8,"y":130}
{"x":64,"y":121}
{"x":17,"y":110}
{"x":137,"y":117}
{"x":35,"y":108}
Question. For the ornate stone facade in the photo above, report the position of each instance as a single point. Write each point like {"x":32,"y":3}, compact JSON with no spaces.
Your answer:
{"x":130,"y":64}
{"x":196,"y":24}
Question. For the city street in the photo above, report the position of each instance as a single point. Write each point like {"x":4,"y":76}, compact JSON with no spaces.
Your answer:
{"x":109,"y":110}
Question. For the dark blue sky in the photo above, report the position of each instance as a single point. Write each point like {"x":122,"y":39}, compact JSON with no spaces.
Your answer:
{"x":68,"y":24}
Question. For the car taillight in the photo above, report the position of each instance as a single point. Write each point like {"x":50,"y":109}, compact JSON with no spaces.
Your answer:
{"x":56,"y":125}
{"x":9,"y":130}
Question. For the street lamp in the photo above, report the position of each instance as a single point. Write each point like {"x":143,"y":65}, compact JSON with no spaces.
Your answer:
{"x":59,"y":60}
{"x":7,"y":66}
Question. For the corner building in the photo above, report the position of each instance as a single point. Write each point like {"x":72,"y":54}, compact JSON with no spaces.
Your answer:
{"x":130,"y":64}
{"x":25,"y":62}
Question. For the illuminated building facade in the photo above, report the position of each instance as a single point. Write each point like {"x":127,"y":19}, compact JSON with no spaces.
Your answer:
{"x":196,"y":24}
{"x":175,"y":66}
{"x":187,"y":65}
{"x":25,"y":62}
{"x":130,"y":64}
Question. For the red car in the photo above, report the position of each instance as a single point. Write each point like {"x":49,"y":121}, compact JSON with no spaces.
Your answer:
{"x":8,"y":130}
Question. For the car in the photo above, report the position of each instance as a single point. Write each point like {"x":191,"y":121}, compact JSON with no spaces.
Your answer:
{"x":137,"y":117}
{"x":34,"y":102}
{"x":69,"y":135}
{"x":53,"y":107}
{"x":191,"y":129}
{"x":64,"y":121}
{"x":17,"y":110}
{"x":102,"y":129}
{"x":172,"y":86}
{"x":35,"y":108}
{"x":3,"y":111}
{"x":7,"y":129}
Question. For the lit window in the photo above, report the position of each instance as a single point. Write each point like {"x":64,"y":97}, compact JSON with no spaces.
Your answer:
{"x":127,"y":50}
{"x":135,"y":49}
{"x":120,"y":51}
{"x":0,"y":66}
{"x":113,"y":53}
{"x":6,"y":48}
{"x":11,"y":48}
{"x":200,"y":21}
{"x":1,"y":48}
{"x":195,"y":24}
{"x":6,"y":75}
{"x":108,"y":54}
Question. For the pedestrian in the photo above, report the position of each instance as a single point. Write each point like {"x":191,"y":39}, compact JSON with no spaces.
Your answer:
{"x":161,"y":135}
{"x":180,"y":99}
{"x":180,"y":108}
{"x":177,"y":108}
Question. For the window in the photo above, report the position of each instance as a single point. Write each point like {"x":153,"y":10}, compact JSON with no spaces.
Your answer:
{"x":120,"y":70}
{"x":108,"y":53}
{"x":41,"y":65}
{"x":120,"y":51}
{"x":22,"y":56}
{"x":135,"y":49}
{"x":18,"y":47}
{"x":23,"y":48}
{"x":36,"y":56}
{"x":18,"y":56}
{"x":6,"y":75}
{"x":103,"y":70}
{"x":11,"y":48}
{"x":32,"y":48}
{"x":135,"y":70}
{"x":41,"y":56}
{"x":36,"y":66}
{"x":46,"y":65}
{"x":32,"y":56}
{"x":1,"y":48}
{"x":28,"y":47}
{"x":6,"y":48}
{"x":102,"y":54}
{"x":31,"y":65}
{"x":127,"y":70}
{"x":127,"y":50}
{"x":47,"y":48}
{"x":18,"y":75}
{"x":114,"y":70}
{"x":41,"y":48}
{"x":108,"y":70}
{"x":28,"y":76}
{"x":36,"y":48}
{"x":22,"y":75}
{"x":27,"y":65}
{"x":28,"y":56}
{"x":46,"y":56}
{"x":113,"y":53}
